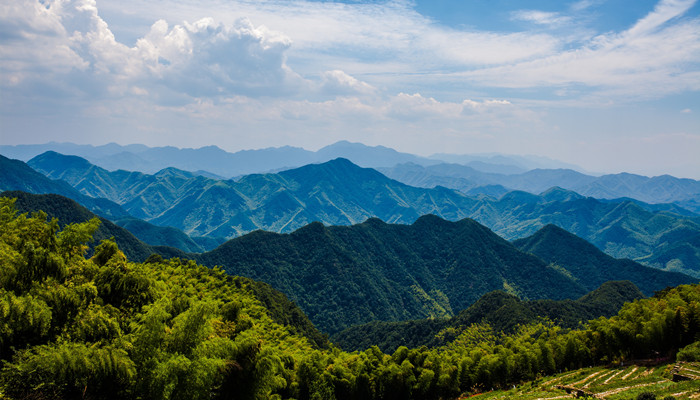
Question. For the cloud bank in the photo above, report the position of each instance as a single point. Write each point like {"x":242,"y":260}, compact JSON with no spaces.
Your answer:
{"x":270,"y":72}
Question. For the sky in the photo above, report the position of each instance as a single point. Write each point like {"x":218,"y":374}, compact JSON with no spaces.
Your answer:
{"x":609,"y":85}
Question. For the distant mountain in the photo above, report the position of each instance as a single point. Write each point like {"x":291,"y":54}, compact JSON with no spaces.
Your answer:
{"x":341,"y":193}
{"x":512,"y":163}
{"x":337,"y":193}
{"x":660,"y":189}
{"x":213,"y":162}
{"x":16,"y":175}
{"x":502,"y":311}
{"x":622,"y":230}
{"x":343,"y":276}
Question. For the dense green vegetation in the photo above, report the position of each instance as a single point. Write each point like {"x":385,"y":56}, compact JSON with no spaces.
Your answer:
{"x":67,"y":211}
{"x":589,"y":266}
{"x":343,"y":276}
{"x":341,"y":193}
{"x":162,"y":236}
{"x":502,"y":311}
{"x":105,"y":327}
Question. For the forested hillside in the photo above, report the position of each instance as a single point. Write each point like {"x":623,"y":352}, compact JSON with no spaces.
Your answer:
{"x":105,"y":327}
{"x":341,"y":193}
{"x":344,"y":276}
{"x":589,"y":266}
{"x":503,"y":312}
{"x":377,"y":271}
{"x":67,"y":211}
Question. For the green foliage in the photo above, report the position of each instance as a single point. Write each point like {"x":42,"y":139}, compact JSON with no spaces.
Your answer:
{"x":591,"y":267}
{"x":690,"y":352}
{"x":502,"y":311}
{"x":646,"y":396}
{"x":343,"y":276}
{"x":105,"y":327}
{"x":69,"y":212}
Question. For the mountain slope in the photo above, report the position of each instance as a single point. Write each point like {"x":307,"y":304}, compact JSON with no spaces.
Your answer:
{"x":159,"y":235}
{"x":591,"y":267}
{"x":341,"y":193}
{"x":660,"y":189}
{"x":67,"y":211}
{"x":502,"y":311}
{"x":16,"y":175}
{"x":341,"y":276}
{"x":336,"y":192}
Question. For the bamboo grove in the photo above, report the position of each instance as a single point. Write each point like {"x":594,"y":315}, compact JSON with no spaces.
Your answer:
{"x":104,"y":327}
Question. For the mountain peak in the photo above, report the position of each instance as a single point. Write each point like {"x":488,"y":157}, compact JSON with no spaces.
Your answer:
{"x":51,"y":160}
{"x":557,"y":193}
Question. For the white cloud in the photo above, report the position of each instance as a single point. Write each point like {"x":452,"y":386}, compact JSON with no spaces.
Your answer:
{"x":66,"y":43}
{"x":541,"y":17}
{"x":650,"y":60}
{"x":337,"y":82}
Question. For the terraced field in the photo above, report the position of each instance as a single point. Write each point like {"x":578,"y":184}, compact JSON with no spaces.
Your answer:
{"x":623,"y":383}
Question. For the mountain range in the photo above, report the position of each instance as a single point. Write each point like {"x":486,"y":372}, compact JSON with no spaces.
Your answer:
{"x":340,"y":193}
{"x":346,"y":275}
{"x":659,"y":189}
{"x":342,"y":276}
{"x":493,"y":174}
{"x":212,"y":161}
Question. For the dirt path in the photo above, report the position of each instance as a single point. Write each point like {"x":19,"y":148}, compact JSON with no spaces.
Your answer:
{"x":619,"y":390}
{"x":624,"y":378}
{"x":613,"y":375}
{"x":593,"y":375}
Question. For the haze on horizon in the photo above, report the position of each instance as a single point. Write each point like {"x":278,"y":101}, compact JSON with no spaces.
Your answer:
{"x":611,"y":86}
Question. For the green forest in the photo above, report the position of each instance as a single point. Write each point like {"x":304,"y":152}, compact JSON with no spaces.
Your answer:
{"x":101,"y":326}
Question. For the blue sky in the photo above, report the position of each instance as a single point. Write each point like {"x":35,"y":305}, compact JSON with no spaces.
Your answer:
{"x":609,"y":85}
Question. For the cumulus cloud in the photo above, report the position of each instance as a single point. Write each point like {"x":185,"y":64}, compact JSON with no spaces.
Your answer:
{"x":66,"y":42}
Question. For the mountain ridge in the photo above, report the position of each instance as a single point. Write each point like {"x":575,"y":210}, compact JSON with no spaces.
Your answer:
{"x":341,"y":193}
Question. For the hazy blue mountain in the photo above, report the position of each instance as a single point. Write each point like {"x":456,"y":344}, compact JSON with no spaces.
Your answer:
{"x":524,"y":163}
{"x":16,"y":175}
{"x":25,"y":152}
{"x":495,"y":168}
{"x":684,"y":193}
{"x":346,"y":275}
{"x":466,"y":173}
{"x":211,"y":160}
{"x":368,"y":156}
{"x":336,"y":192}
